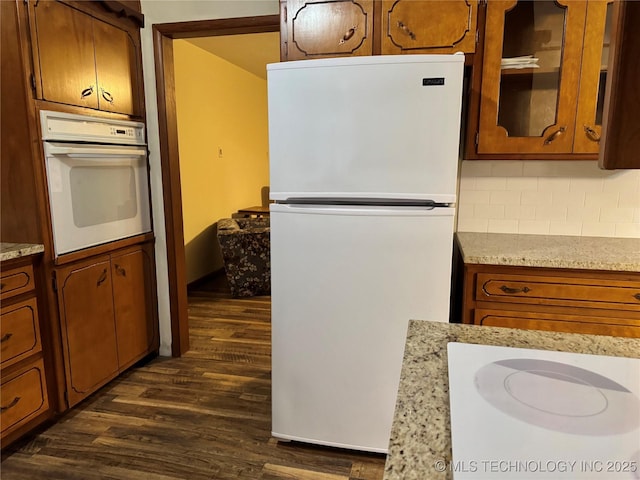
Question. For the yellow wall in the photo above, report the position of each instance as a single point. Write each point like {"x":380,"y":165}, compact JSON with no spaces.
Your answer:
{"x":218,"y":105}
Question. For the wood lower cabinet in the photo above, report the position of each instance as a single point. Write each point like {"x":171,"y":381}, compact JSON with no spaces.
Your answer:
{"x":564,"y":300}
{"x":85,"y":61}
{"x":24,"y":401}
{"x":106,"y":317}
{"x":136,"y":324}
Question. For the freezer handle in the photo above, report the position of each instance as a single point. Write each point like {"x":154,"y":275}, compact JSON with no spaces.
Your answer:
{"x":361,"y":210}
{"x":364,"y":202}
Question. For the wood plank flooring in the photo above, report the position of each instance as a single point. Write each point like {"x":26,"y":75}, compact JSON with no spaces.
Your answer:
{"x":206,"y":415}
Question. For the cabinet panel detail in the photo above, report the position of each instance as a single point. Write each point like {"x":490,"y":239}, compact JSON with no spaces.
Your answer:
{"x":558,"y":291}
{"x":87,"y":314}
{"x":586,"y":324}
{"x":115,"y":65}
{"x":16,"y":281}
{"x":431,"y":26}
{"x":23,"y":397}
{"x":68,"y":74}
{"x":135,"y":323}
{"x":330,"y":28}
{"x":20,"y":335}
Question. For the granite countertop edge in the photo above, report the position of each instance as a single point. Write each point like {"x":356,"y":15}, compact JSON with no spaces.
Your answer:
{"x":421,"y":433}
{"x":550,"y":251}
{"x":9,"y":251}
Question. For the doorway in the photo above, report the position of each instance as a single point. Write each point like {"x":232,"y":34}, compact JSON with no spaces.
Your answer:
{"x":163,"y":36}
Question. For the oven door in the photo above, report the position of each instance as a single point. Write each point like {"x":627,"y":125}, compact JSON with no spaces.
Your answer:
{"x":97,"y":193}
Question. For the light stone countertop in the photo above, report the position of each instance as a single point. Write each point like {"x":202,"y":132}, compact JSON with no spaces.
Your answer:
{"x":421,"y":431}
{"x":552,"y":251}
{"x":9,"y":251}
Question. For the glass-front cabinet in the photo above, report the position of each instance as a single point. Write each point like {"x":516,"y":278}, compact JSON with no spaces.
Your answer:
{"x":543,"y":77}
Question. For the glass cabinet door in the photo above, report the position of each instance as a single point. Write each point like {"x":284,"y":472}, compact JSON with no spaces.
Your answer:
{"x":530,"y":76}
{"x":593,"y":78}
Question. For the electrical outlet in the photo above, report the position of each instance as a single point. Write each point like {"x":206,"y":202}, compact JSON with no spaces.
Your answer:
{"x":220,"y":152}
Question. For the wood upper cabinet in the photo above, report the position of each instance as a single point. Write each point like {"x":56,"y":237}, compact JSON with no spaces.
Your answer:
{"x":317,"y":29}
{"x":337,"y":28}
{"x":431,"y":26}
{"x":543,"y":74}
{"x":80,"y":60}
{"x":107,"y":318}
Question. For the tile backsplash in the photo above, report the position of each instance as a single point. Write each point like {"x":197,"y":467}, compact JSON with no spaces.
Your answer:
{"x":548,"y":197}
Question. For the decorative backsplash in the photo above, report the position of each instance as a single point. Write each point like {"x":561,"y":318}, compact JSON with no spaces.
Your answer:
{"x":548,"y":197}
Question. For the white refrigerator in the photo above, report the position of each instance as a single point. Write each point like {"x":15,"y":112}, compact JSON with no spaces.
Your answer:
{"x":363,"y":172}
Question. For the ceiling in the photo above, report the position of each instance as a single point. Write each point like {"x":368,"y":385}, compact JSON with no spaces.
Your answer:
{"x":251,"y":51}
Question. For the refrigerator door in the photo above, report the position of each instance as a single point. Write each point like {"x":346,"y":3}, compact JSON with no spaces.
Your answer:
{"x":382,"y":127}
{"x":345,"y":282}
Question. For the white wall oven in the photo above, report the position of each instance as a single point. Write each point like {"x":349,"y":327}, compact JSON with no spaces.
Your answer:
{"x":97,"y":177}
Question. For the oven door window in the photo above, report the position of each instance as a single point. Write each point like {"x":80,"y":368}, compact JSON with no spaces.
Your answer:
{"x":112,"y":190}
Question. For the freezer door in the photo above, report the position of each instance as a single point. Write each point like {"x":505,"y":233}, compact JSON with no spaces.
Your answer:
{"x":384,"y":126}
{"x":345,"y":282}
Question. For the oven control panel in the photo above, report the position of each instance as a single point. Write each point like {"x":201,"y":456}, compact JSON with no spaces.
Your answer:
{"x":62,"y":126}
{"x":123,"y":132}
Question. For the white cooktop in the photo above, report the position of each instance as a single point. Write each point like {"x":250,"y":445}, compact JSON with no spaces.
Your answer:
{"x":534,"y":414}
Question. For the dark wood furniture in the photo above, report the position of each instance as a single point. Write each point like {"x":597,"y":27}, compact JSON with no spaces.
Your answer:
{"x":257,"y":211}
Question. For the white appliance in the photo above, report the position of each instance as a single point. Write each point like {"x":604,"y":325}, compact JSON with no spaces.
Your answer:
{"x":97,"y":177}
{"x":520,"y":413}
{"x":363,"y":163}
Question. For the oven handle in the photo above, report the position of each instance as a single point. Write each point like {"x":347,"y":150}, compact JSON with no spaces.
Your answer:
{"x":111,"y":151}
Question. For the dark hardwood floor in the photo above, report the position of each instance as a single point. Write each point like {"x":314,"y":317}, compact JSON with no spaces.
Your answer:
{"x":206,"y":415}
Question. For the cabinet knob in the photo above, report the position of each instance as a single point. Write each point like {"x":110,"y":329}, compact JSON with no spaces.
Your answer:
{"x":6,"y":337}
{"x":107,"y":96}
{"x":554,"y":135}
{"x":13,"y":403}
{"x":120,"y":271}
{"x":86,"y":92}
{"x":348,"y":34}
{"x":591,"y":134}
{"x":637,"y":296}
{"x":506,"y":289}
{"x":406,"y":30}
{"x":103,"y":277}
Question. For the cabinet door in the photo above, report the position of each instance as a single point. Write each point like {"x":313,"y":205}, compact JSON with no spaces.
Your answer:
{"x":135,"y":322}
{"x":429,"y":26}
{"x":65,"y":52}
{"x":85,"y":300}
{"x":593,"y":76}
{"x":337,"y":28}
{"x":530,"y":107}
{"x":116,"y":69}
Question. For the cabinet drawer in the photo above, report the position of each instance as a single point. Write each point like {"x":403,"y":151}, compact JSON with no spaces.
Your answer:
{"x":569,"y":291}
{"x":20,"y":333}
{"x":16,"y":281}
{"x":23,"y":397}
{"x":588,"y":324}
